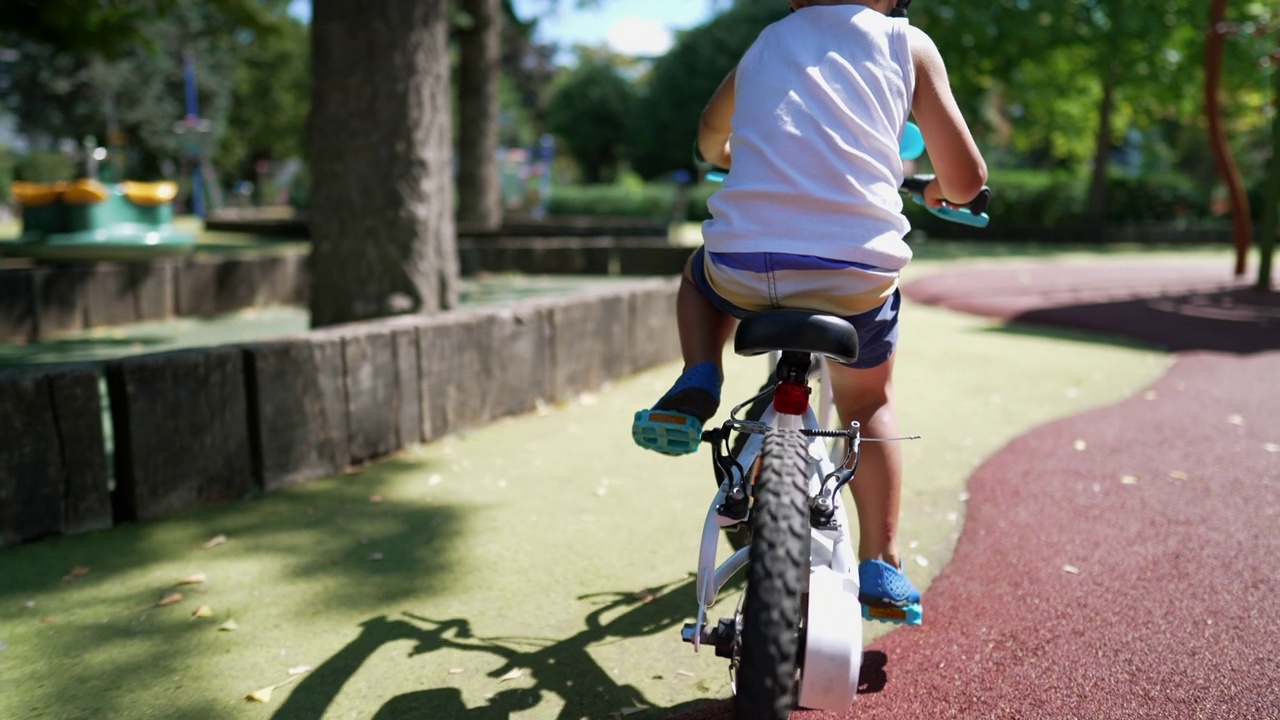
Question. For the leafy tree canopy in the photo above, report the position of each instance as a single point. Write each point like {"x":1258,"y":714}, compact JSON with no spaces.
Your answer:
{"x":683,"y":80}
{"x":591,"y":110}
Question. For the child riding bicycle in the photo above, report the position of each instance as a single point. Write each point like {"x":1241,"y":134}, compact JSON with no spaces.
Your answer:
{"x":810,"y":217}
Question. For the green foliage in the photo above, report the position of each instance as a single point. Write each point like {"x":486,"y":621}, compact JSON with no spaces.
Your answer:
{"x":683,"y":80}
{"x":45,"y":166}
{"x":1024,"y":199}
{"x":74,"y":68}
{"x":270,"y":98}
{"x":1028,"y":199}
{"x":113,"y":29}
{"x":1029,"y":74}
{"x":6,"y":173}
{"x":590,"y":110}
{"x":653,"y":200}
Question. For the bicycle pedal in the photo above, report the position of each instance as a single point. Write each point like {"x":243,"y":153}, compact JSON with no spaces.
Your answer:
{"x":667,"y":432}
{"x":911,"y":615}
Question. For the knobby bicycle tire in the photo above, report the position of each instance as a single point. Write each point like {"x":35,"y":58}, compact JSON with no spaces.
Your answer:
{"x":777,"y":576}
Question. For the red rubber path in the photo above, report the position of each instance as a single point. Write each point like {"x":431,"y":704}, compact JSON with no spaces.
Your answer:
{"x":1123,"y":563}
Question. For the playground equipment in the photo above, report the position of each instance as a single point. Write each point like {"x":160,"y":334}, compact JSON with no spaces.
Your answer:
{"x":88,"y":220}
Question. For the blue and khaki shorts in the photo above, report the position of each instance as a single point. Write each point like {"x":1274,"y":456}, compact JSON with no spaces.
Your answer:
{"x":741,"y":284}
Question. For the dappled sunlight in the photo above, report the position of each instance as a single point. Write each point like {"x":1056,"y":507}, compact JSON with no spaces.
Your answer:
{"x":313,"y":554}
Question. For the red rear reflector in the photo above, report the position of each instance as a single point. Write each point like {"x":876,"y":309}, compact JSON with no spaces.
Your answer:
{"x":791,"y":398}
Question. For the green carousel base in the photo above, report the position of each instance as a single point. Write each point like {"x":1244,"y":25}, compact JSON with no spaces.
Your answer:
{"x":114,"y":244}
{"x":85,"y":221}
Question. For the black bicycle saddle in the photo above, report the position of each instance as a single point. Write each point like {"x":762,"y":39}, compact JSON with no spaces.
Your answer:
{"x":802,"y":330}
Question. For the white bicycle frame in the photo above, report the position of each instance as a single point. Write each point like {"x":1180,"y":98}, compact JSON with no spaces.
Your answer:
{"x":833,"y":622}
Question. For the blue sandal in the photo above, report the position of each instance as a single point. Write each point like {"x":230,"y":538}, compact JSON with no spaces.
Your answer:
{"x":674,"y":425}
{"x":887,"y":595}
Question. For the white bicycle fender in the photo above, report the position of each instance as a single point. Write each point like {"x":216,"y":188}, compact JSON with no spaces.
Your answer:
{"x":833,"y":642}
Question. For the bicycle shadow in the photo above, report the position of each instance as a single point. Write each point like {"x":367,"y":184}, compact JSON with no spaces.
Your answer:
{"x":563,"y":668}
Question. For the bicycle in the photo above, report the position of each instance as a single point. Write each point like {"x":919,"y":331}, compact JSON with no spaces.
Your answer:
{"x":790,"y":642}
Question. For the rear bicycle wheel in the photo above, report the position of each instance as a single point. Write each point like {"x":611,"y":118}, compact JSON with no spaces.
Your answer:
{"x":770,"y":636}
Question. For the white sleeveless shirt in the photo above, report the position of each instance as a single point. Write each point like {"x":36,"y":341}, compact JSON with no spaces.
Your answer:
{"x":822,"y":97}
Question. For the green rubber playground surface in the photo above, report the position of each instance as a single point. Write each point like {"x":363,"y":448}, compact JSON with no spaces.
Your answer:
{"x":538,"y":567}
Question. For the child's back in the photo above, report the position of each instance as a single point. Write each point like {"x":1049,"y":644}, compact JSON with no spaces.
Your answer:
{"x":821,"y":100}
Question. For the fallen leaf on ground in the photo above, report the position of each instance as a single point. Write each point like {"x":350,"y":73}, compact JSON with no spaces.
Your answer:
{"x":214,"y":541}
{"x":228,"y":626}
{"x":375,"y":499}
{"x":195,"y":579}
{"x":1129,"y":479}
{"x":299,"y":669}
{"x":47,"y":620}
{"x":170,"y":598}
{"x":512,"y":675}
{"x":1071,"y":569}
{"x":1079,"y":445}
{"x":264,"y":695}
{"x":1177,"y":475}
{"x":203,"y":611}
{"x":75,"y":572}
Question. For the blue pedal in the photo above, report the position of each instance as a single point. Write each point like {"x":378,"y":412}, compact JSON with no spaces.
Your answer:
{"x":667,"y":432}
{"x":910,"y":615}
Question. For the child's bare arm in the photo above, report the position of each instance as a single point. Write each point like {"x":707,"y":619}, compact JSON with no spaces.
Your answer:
{"x":961,"y":172}
{"x":716,"y":124}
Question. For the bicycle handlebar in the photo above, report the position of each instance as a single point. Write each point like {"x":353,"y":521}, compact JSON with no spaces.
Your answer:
{"x":972,"y":213}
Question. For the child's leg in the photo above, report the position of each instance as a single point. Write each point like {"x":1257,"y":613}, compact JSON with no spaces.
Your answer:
{"x":673,"y":425}
{"x":867,"y":396}
{"x":704,"y":328}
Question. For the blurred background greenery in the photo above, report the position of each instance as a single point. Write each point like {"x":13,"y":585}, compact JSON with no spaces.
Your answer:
{"x":1053,"y":88}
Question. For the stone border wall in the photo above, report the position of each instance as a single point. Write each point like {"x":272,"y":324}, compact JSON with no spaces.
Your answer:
{"x":44,"y":301}
{"x":193,"y":428}
{"x":47,"y":300}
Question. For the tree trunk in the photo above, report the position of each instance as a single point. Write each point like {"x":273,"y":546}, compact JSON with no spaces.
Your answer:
{"x":1270,"y":225}
{"x":1097,"y":210}
{"x":381,"y":213}
{"x":1242,"y":223}
{"x":479,"y":199}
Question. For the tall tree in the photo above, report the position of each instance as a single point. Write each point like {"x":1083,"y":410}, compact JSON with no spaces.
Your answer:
{"x":270,"y":97}
{"x":591,"y":110}
{"x":683,"y":80}
{"x":115,"y":68}
{"x":382,"y":220}
{"x":479,"y":75}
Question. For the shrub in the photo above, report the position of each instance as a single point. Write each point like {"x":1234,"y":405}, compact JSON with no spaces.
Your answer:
{"x":6,"y":173}
{"x":1021,"y":200}
{"x":618,"y":200}
{"x":45,"y":166}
